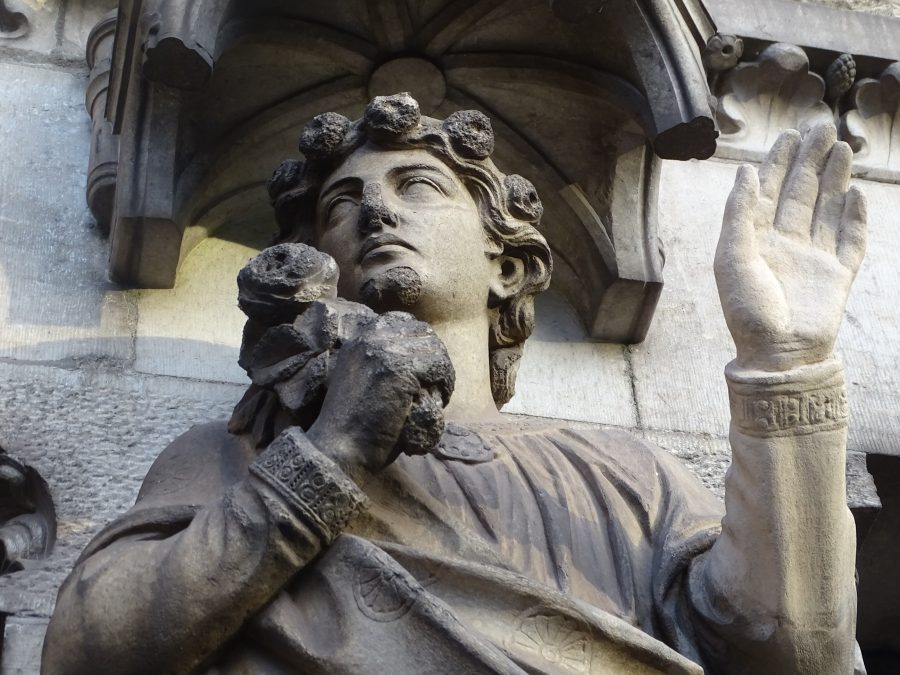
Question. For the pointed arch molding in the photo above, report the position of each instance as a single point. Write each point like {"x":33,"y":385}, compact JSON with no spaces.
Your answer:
{"x":194,"y":102}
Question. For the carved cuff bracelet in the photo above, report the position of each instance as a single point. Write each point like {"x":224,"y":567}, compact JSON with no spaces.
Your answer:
{"x":804,"y":400}
{"x":324,"y":497}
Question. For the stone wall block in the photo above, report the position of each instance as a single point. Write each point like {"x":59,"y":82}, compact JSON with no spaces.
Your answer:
{"x":55,"y":301}
{"x":92,"y":435}
{"x":23,"y":638}
{"x":677,"y":370}
{"x":565,"y":376}
{"x":78,"y":22}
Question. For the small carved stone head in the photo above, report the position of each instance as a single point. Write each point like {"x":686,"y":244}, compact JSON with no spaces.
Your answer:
{"x":509,"y":206}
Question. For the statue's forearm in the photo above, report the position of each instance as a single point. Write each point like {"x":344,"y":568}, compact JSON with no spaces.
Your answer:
{"x":166,"y":604}
{"x":778,"y":586}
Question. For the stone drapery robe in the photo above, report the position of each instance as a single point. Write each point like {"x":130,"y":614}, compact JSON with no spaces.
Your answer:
{"x":568,"y":551}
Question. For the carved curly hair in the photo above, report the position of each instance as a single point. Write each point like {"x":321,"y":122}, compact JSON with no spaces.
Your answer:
{"x":509,"y":205}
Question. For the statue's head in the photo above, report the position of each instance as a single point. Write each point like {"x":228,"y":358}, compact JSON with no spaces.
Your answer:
{"x":418,"y":218}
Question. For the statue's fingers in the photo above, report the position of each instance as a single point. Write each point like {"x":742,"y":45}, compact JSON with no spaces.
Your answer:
{"x":424,"y":426}
{"x":772,"y":173}
{"x":432,"y":366}
{"x":738,"y":238}
{"x":832,"y":193}
{"x":852,"y":238}
{"x":794,"y":215}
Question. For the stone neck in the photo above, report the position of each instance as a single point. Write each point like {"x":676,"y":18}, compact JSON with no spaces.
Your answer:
{"x":467,"y":344}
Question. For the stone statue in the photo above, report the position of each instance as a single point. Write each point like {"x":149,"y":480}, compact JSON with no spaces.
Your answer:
{"x":27,"y":515}
{"x":367,"y":509}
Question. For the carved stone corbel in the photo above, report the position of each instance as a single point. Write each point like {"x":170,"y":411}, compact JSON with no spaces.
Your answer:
{"x":180,"y":42}
{"x":758,"y":99}
{"x":872,"y":126}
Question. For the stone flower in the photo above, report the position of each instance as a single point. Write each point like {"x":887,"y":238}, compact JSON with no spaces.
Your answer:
{"x":471,"y":133}
{"x":324,"y":135}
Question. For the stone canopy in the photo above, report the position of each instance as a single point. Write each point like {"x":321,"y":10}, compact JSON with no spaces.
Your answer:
{"x":195,"y":101}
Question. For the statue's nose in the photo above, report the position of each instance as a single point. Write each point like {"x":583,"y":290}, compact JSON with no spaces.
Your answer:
{"x":374,"y":215}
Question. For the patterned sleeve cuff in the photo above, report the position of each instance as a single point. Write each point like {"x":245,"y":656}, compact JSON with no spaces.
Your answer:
{"x":312,"y":484}
{"x":804,"y":400}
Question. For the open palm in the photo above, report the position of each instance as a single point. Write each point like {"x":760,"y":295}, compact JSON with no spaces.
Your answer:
{"x":792,"y":241}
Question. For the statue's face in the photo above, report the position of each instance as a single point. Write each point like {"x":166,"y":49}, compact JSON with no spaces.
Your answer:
{"x":406,"y":234}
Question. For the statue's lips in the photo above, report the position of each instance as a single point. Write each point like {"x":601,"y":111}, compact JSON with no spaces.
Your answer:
{"x":383,"y":243}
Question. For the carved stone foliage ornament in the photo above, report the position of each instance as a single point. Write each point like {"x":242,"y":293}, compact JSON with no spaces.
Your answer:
{"x":872,"y":126}
{"x":199,"y":97}
{"x":839,"y":77}
{"x":13,"y":24}
{"x":759,"y":99}
{"x":721,"y":53}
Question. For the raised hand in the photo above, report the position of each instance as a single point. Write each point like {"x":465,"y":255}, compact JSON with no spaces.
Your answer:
{"x":792,"y":240}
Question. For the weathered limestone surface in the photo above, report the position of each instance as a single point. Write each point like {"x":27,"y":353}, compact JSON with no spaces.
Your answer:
{"x":53,"y":30}
{"x":592,"y":380}
{"x":198,"y":320}
{"x":92,"y":433}
{"x":23,"y":638}
{"x":78,"y":20}
{"x":38,"y":32}
{"x":55,"y":301}
{"x":882,"y":7}
{"x":810,"y":24}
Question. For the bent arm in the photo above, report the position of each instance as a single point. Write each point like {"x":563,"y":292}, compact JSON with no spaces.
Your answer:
{"x":165,"y":604}
{"x":777,"y":589}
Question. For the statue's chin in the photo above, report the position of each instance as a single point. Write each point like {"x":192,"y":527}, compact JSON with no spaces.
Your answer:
{"x":396,"y":288}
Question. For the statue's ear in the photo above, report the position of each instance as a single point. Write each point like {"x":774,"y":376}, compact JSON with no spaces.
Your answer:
{"x":507,"y":279}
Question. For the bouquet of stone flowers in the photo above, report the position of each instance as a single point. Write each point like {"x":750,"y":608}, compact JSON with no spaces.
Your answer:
{"x":295,"y":327}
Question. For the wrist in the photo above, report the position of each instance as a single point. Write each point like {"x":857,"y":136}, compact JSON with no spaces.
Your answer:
{"x":317,"y":489}
{"x":339,"y":446}
{"x":805,"y":399}
{"x":781,"y":360}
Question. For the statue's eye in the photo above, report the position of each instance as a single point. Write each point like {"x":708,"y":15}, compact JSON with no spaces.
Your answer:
{"x":420,"y":187}
{"x":341,"y":208}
